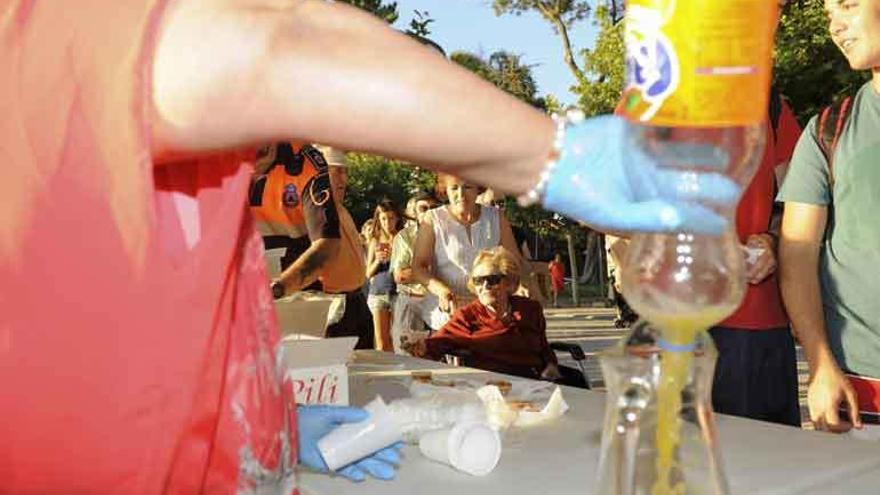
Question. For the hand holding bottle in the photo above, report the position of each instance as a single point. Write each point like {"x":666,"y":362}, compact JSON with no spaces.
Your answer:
{"x":604,"y":179}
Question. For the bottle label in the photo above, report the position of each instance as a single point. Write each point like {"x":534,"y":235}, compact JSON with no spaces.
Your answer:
{"x":698,"y":63}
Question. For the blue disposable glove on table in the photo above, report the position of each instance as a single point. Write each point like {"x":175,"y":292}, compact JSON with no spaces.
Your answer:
{"x":314,"y":422}
{"x":602,"y":178}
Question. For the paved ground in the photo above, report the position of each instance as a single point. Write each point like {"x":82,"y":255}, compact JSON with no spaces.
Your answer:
{"x":593,"y":329}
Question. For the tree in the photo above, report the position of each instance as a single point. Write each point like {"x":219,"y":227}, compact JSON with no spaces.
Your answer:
{"x":810,"y":70}
{"x":599,"y":91}
{"x":387,"y":12}
{"x":418,"y":25}
{"x":372,"y":178}
{"x":561,"y":14}
{"x":506,"y":71}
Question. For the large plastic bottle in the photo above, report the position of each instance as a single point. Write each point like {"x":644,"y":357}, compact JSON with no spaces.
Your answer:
{"x":698,"y":82}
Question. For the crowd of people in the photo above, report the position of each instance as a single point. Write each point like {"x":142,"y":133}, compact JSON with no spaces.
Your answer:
{"x":420,"y":267}
{"x":133,"y":143}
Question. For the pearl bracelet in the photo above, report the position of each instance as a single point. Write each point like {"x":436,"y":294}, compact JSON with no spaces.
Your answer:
{"x":536,"y":194}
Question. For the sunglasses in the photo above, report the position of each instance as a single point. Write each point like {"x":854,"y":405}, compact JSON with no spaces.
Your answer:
{"x":490,"y":280}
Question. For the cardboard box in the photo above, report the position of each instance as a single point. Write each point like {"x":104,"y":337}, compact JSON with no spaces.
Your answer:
{"x":306,"y":313}
{"x":317,"y":369}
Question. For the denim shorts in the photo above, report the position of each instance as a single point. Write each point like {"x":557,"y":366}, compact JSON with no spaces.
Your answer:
{"x":380,"y":302}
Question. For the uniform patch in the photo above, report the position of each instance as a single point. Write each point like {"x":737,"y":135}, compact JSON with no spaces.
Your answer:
{"x":290,"y":199}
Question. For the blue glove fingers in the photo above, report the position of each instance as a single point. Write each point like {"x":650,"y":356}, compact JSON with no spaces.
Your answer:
{"x":692,"y":186}
{"x":334,"y":414}
{"x":697,"y":155}
{"x":667,"y":217}
{"x":390,"y":455}
{"x":376,"y":468}
{"x":352,"y":472}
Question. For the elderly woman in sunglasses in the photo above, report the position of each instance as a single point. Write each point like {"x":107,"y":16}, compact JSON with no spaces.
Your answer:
{"x":448,"y":242}
{"x":498,"y":331}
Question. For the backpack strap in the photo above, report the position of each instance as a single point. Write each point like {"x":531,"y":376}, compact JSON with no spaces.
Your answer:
{"x":831,"y":123}
{"x":774,"y":110}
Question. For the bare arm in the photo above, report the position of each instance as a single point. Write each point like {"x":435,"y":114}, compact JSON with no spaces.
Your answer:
{"x":423,"y":255}
{"x":372,"y":259}
{"x":802,"y":231}
{"x":326,"y":72}
{"x":803,"y":228}
{"x":404,"y":276}
{"x":422,"y":267}
{"x":305,"y":270}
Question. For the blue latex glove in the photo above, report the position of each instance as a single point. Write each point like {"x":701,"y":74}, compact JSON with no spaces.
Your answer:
{"x":317,"y":421}
{"x":604,"y":180}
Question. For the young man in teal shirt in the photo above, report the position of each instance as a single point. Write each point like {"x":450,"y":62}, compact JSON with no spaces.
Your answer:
{"x":830,"y":246}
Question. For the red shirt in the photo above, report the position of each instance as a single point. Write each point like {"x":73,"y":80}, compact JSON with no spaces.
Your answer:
{"x":762,"y":307}
{"x":516,"y":346}
{"x":137,"y":339}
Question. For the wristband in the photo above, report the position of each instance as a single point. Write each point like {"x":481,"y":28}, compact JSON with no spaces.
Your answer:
{"x":536,"y":194}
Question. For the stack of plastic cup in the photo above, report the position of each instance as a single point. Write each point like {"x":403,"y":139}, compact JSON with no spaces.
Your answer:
{"x":472,"y":447}
{"x":353,"y":441}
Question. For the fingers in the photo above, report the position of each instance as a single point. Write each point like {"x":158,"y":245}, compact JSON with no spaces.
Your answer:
{"x":376,"y":468}
{"x":762,"y":269}
{"x":352,"y":472}
{"x":691,"y":155}
{"x":852,"y":402}
{"x":336,"y":414}
{"x":391,"y":455}
{"x":684,"y":185}
{"x":832,"y":420}
{"x":669,"y":217}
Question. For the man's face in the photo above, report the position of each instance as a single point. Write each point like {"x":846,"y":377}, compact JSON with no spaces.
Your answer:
{"x":338,"y":181}
{"x":855,"y":28}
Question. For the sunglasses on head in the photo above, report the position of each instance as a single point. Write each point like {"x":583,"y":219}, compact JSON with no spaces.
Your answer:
{"x":490,"y":280}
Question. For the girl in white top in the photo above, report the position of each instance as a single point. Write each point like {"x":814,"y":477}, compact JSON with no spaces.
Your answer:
{"x":448,"y":242}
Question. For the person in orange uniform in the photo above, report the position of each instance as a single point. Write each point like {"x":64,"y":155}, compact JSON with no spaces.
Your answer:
{"x":296,"y":199}
{"x":294,"y":209}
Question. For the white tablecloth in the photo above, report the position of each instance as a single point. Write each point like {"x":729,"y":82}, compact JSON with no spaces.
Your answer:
{"x":560,"y":457}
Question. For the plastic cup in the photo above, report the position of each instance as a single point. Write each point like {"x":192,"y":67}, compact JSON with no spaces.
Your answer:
{"x":472,"y":447}
{"x":354,"y":441}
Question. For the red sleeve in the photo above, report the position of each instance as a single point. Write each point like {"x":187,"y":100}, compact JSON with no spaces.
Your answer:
{"x":455,"y":334}
{"x":787,"y":134}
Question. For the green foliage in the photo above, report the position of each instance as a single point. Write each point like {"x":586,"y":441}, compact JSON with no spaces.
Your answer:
{"x":810,"y":70}
{"x":506,"y":71}
{"x":561,"y":14}
{"x":565,"y":11}
{"x":600,"y":90}
{"x":372,"y":178}
{"x":387,"y":12}
{"x":552,"y":105}
{"x":418,"y":25}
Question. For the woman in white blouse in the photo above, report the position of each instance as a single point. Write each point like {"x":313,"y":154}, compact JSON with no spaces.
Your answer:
{"x":448,"y":242}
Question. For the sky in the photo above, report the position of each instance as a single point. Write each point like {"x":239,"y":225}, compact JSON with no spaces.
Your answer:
{"x":471,"y":25}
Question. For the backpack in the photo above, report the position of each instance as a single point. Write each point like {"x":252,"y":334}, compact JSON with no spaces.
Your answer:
{"x":832,"y":121}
